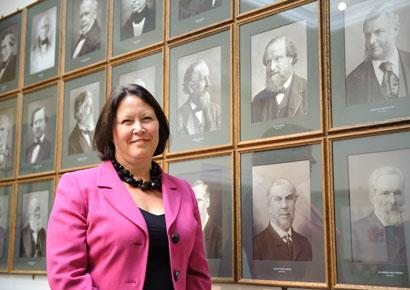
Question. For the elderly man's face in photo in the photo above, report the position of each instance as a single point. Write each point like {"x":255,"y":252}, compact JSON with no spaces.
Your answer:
{"x":200,"y":84}
{"x":4,"y":130}
{"x":202,"y":199}
{"x":43,"y":28}
{"x":39,"y":123}
{"x":34,"y":215}
{"x":282,"y":205}
{"x":6,"y":48}
{"x":387,"y":198}
{"x":85,"y":114}
{"x":138,"y":5}
{"x":278,"y":65}
{"x":88,"y":13}
{"x":380,"y":36}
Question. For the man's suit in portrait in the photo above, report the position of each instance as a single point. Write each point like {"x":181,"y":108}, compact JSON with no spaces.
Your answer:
{"x":213,"y":239}
{"x":30,"y":249}
{"x":189,"y":124}
{"x":2,"y":242}
{"x":9,"y":72}
{"x":92,"y":40}
{"x":43,"y":153}
{"x":265,"y":107}
{"x":188,"y":8}
{"x":268,"y":245}
{"x":374,"y":243}
{"x":362,"y":86}
{"x":127,"y":30}
{"x":77,"y":143}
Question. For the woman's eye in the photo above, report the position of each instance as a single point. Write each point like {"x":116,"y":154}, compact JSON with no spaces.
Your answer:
{"x":125,"y":122}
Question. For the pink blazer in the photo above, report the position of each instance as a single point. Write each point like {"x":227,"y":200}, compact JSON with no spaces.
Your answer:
{"x":98,"y":239}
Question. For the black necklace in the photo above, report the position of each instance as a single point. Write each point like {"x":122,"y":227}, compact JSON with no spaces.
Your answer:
{"x":126,"y":176}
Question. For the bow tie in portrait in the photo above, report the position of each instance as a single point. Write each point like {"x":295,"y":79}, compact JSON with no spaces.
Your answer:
{"x":37,"y":142}
{"x":82,"y":36}
{"x":282,"y":90}
{"x":138,"y":17}
{"x":44,"y":42}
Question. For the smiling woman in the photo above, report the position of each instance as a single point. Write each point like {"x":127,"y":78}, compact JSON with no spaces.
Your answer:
{"x":126,"y":214}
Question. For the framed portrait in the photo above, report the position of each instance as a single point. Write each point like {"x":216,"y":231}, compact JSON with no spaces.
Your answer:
{"x":8,"y":113}
{"x":247,"y":5}
{"x":200,"y":95}
{"x":34,"y":203}
{"x":279,"y":74}
{"x":43,"y":39}
{"x":38,"y":132}
{"x":370,"y":77}
{"x":5,"y":221}
{"x":145,"y":71}
{"x":137,"y":24}
{"x":281,"y":211}
{"x":10,"y":34}
{"x":372,"y":229}
{"x":188,"y":15}
{"x":84,"y":98}
{"x":211,"y":181}
{"x":86,"y":33}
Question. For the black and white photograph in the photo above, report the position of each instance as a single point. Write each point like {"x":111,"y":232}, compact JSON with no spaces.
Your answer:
{"x":83,"y":100}
{"x":10,"y":33}
{"x":7,"y":137}
{"x":137,"y":23}
{"x":5,"y":214}
{"x":279,"y":84}
{"x":211,"y":182}
{"x":86,"y":32}
{"x":282,"y":215}
{"x":201,"y":93}
{"x":33,"y":208}
{"x":247,"y":5}
{"x":38,"y":131}
{"x":189,"y":15}
{"x":371,"y":218}
{"x":370,"y":61}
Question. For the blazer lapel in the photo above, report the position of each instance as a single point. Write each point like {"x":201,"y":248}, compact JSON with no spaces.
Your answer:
{"x":117,"y":195}
{"x":171,"y":196}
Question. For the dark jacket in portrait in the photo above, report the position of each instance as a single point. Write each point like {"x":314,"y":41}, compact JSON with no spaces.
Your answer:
{"x":77,"y":143}
{"x":30,"y":249}
{"x":92,"y":40}
{"x":189,"y":124}
{"x":374,"y":243}
{"x":2,"y":242}
{"x":127,"y":30}
{"x":268,"y":245}
{"x":6,"y":162}
{"x":362,"y":86}
{"x":9,"y":73}
{"x":265,"y":107}
{"x":43,"y":154}
{"x":188,"y":8}
{"x":213,"y":239}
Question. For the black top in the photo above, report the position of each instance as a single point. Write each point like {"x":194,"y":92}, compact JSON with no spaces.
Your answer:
{"x":158,"y":276}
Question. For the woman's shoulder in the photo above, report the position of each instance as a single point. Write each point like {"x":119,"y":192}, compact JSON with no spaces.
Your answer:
{"x":84,"y":176}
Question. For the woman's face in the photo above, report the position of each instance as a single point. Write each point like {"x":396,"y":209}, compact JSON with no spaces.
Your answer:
{"x":135,"y":131}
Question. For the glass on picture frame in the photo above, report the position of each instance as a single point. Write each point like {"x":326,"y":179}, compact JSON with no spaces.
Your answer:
{"x":146,"y":71}
{"x":84,"y":98}
{"x":279,"y":74}
{"x":281,"y":213}
{"x":370,"y":190}
{"x":38,"y":132}
{"x":211,"y":181}
{"x":43,"y":40}
{"x":247,"y":5}
{"x":200,"y":115}
{"x":86,"y":33}
{"x":10,"y":35}
{"x":8,"y":110}
{"x":34,"y":203}
{"x":137,"y":24}
{"x":189,"y":15}
{"x":5,"y":222}
{"x":370,"y":61}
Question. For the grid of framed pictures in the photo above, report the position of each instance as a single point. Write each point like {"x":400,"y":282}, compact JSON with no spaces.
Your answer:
{"x":290,"y":120}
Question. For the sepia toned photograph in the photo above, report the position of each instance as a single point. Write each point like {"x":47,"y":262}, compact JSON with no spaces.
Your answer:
{"x":38,"y":131}
{"x":83,"y":100}
{"x":5,"y":220}
{"x":211,"y":182}
{"x":33,"y":209}
{"x":7,"y":137}
{"x":86,"y":32}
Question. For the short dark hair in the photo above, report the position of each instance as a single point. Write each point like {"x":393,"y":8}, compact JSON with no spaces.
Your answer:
{"x":103,"y":138}
{"x":79,"y":100}
{"x":35,"y":111}
{"x":290,"y":47}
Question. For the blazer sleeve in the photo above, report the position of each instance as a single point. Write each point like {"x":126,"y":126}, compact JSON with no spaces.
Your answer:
{"x":198,"y":276}
{"x":66,"y":238}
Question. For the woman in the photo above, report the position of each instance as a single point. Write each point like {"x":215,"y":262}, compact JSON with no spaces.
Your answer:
{"x":115,"y":226}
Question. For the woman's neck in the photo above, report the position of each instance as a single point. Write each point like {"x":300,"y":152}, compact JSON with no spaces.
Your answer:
{"x":140,"y":169}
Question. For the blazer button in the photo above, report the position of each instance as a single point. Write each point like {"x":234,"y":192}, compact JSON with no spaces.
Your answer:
{"x":176,"y":275}
{"x":175,"y":238}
